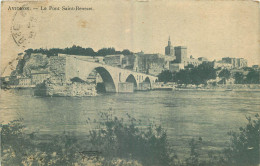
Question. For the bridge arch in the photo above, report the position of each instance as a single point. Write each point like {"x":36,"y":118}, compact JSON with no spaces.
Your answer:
{"x":147,"y":79}
{"x":132,"y":79}
{"x":107,"y":79}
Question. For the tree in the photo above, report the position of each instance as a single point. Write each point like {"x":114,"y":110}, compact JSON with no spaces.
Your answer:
{"x":183,"y":77}
{"x":106,"y":51}
{"x":189,"y":66}
{"x":78,"y":50}
{"x":244,"y":147}
{"x":197,"y":75}
{"x":207,"y":71}
{"x":248,"y":69}
{"x":252,"y":77}
{"x":239,"y":78}
{"x":126,"y":52}
{"x":225,"y":73}
{"x":165,"y":76}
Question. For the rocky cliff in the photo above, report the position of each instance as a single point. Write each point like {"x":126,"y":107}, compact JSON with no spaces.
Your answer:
{"x":31,"y":63}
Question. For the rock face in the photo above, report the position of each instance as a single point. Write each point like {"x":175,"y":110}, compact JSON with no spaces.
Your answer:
{"x":57,"y":69}
{"x":73,"y":89}
{"x":36,"y":63}
{"x":31,"y":63}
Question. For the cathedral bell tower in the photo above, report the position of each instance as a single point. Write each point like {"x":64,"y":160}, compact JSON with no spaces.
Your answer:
{"x":169,"y":41}
{"x":169,"y":50}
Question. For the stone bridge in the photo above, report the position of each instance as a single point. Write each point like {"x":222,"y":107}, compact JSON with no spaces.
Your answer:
{"x":65,"y":67}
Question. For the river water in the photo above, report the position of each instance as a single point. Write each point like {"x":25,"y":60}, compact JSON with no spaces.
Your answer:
{"x":184,"y":114}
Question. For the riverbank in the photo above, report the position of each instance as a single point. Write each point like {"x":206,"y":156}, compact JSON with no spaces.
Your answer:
{"x":233,"y":87}
{"x":79,"y":89}
{"x":224,"y":87}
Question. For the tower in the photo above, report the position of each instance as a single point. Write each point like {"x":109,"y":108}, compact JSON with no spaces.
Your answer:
{"x":169,"y":41}
{"x":169,"y":50}
{"x":181,"y":54}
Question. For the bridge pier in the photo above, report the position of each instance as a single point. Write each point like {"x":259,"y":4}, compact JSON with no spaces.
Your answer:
{"x":144,"y":86}
{"x":128,"y":87}
{"x":110,"y":88}
{"x":125,"y":87}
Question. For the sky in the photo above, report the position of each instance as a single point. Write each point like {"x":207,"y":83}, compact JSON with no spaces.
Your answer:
{"x":211,"y":29}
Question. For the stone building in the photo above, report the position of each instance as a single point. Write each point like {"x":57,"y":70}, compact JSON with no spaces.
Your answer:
{"x":120,"y":60}
{"x":25,"y":81}
{"x":242,"y":62}
{"x":176,"y":67}
{"x":149,"y":63}
{"x":192,"y":61}
{"x":168,"y":61}
{"x":169,"y":50}
{"x":180,"y":54}
{"x":86,"y":58}
{"x":39,"y":77}
{"x":114,"y":60}
{"x":203,"y":59}
{"x":220,"y":64}
{"x":255,"y":67}
{"x":129,"y":61}
{"x":181,"y":57}
{"x":32,"y":80}
{"x":235,"y":62}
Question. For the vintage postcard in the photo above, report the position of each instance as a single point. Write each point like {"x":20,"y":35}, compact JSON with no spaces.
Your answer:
{"x":130,"y":83}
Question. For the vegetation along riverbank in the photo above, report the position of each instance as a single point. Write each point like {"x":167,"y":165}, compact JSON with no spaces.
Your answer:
{"x":122,"y":142}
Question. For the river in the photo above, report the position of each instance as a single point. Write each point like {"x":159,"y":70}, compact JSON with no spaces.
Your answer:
{"x":184,"y":114}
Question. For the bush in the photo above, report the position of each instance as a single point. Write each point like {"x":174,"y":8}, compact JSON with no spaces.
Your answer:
{"x":244,"y":146}
{"x":19,"y":148}
{"x":123,"y":142}
{"x":123,"y":139}
{"x":195,"y":147}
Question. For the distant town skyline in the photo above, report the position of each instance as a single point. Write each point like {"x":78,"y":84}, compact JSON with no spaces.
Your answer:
{"x":211,"y":29}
